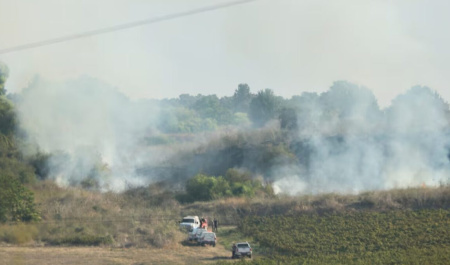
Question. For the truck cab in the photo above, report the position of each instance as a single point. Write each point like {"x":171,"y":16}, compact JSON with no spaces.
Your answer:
{"x":189,"y":223}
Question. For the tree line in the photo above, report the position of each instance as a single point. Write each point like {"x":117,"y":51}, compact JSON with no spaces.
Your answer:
{"x":16,"y":200}
{"x":342,"y":108}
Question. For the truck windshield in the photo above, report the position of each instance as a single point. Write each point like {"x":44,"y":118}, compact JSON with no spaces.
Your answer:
{"x":187,"y":220}
{"x":242,"y":246}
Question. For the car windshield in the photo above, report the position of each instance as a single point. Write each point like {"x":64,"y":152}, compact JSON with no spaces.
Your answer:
{"x":187,"y":220}
{"x":243,"y":246}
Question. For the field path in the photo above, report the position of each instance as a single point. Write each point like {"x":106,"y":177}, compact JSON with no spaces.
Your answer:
{"x":111,"y":256}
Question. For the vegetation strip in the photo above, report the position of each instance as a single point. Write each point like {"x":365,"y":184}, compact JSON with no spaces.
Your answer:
{"x":392,"y":237}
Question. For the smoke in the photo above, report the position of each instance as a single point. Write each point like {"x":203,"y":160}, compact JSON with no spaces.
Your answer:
{"x":92,"y":131}
{"x":354,"y":146}
{"x":99,"y":138}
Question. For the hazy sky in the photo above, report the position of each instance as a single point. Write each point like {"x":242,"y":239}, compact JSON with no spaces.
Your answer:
{"x":289,"y":46}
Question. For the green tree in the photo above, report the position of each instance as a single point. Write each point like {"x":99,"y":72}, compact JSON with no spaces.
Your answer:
{"x":307,"y":108}
{"x":168,"y":120}
{"x":241,"y":98}
{"x":199,"y":187}
{"x":16,"y":201}
{"x":241,"y":118}
{"x":184,"y":120}
{"x":13,"y":167}
{"x":4,"y":72}
{"x":349,"y":101}
{"x":205,"y":188}
{"x":241,"y":182}
{"x":210,"y":107}
{"x":264,"y":107}
{"x":187,"y":100}
{"x":7,"y":117}
{"x":11,"y":160}
{"x":419,"y":109}
{"x":288,"y":119}
{"x":207,"y":106}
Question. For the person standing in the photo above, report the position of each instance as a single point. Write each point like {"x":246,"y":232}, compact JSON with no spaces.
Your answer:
{"x":215,"y":225}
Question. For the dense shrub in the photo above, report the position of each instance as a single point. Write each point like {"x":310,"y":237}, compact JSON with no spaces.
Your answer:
{"x":16,"y":201}
{"x":235,"y":183}
{"x":205,"y":188}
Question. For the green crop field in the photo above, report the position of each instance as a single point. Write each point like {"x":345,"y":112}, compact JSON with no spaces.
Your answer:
{"x":392,"y":237}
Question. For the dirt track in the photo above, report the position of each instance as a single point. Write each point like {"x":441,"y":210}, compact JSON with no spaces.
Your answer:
{"x":111,"y":256}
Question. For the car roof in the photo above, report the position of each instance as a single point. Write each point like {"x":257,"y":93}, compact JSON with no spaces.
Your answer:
{"x":242,"y":243}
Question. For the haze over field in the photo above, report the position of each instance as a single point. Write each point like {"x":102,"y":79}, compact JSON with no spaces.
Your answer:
{"x":126,"y":123}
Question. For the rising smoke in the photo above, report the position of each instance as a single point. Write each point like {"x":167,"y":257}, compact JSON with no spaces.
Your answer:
{"x":354,"y":146}
{"x":345,"y":142}
{"x":92,"y":129}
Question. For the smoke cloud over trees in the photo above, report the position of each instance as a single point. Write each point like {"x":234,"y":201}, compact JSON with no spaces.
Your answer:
{"x":87,"y":133}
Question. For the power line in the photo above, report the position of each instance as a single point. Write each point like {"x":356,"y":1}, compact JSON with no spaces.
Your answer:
{"x":123,"y":26}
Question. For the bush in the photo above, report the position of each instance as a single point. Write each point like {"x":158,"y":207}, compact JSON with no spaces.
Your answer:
{"x":205,"y":188}
{"x":235,"y":183}
{"x":14,"y":168}
{"x":16,"y":201}
{"x":18,"y":233}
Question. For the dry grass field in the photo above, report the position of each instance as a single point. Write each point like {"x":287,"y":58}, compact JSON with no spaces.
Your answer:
{"x":138,"y":228}
{"x":14,"y":255}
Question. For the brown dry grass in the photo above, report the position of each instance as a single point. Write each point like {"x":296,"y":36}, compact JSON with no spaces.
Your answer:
{"x":111,"y":256}
{"x":231,"y":210}
{"x":72,"y":213}
{"x":146,"y":218}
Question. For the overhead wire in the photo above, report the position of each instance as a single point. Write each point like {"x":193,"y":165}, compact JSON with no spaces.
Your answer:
{"x":123,"y":26}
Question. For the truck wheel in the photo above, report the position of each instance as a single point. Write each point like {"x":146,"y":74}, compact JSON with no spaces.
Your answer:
{"x":250,"y":256}
{"x":214,"y":245}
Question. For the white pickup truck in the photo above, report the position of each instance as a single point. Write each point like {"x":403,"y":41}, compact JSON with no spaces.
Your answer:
{"x":189,"y":223}
{"x":241,"y":249}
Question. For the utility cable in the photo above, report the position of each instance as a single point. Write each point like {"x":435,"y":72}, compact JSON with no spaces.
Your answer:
{"x":123,"y":26}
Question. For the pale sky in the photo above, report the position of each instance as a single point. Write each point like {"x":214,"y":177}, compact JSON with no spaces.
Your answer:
{"x":290,"y":46}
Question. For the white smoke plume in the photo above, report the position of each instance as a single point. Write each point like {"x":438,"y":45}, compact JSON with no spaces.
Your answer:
{"x":354,"y":146}
{"x":345,"y":142}
{"x":92,"y":129}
